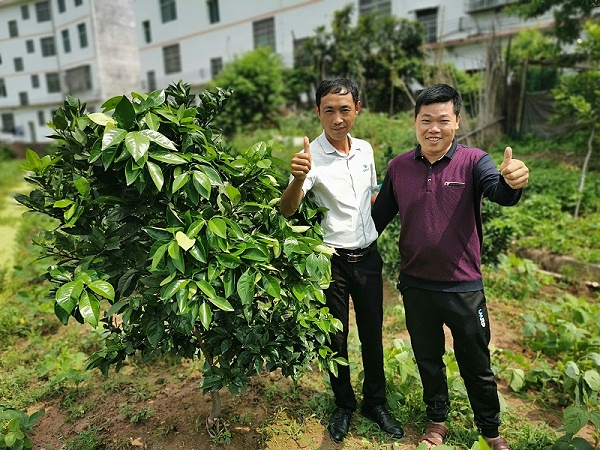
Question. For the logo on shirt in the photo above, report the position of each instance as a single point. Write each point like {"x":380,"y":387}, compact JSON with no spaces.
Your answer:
{"x":481,"y":318}
{"x":365,"y":167}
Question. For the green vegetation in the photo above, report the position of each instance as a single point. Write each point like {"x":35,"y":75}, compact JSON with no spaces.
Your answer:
{"x":559,"y":328}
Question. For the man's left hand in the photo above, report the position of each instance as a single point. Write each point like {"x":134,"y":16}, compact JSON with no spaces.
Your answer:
{"x":514,"y":171}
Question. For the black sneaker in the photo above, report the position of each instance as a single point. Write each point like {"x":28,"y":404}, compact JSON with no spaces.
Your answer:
{"x":382,"y":417}
{"x":339,"y":424}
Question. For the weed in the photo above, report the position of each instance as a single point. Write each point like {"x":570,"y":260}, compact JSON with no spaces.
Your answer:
{"x":86,"y":440}
{"x":134,"y":415}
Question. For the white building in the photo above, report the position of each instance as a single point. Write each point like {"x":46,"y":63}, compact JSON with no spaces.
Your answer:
{"x":50,"y":48}
{"x":94,"y":49}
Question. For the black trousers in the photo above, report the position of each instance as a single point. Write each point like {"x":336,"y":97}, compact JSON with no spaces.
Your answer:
{"x":465,"y":314}
{"x":363,"y":282}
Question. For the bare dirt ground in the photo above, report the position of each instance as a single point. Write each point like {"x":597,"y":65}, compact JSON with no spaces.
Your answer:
{"x":168,"y":413}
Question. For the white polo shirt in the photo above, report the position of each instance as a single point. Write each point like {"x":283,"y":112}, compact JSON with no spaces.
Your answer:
{"x":344,"y":185}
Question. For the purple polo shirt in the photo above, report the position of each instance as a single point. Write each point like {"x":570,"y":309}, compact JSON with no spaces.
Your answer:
{"x":439,"y":206}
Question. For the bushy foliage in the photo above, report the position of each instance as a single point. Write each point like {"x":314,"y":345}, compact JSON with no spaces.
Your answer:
{"x":256,"y":82}
{"x":172,"y":245}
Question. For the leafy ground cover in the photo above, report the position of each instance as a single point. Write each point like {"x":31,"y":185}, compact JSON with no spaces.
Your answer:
{"x":544,"y":336}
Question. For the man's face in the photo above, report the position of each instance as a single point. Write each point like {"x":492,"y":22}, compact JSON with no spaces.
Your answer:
{"x":337,"y":113}
{"x":435,"y":126}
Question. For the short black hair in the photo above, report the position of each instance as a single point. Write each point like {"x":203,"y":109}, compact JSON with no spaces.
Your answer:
{"x":336,"y":86}
{"x":438,"y":93}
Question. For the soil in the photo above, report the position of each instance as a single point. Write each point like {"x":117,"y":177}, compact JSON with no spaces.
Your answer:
{"x":169,"y":411}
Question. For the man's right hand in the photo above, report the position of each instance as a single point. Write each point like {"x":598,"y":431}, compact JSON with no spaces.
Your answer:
{"x":301,"y":162}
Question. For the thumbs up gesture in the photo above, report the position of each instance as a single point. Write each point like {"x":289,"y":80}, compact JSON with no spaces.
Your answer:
{"x":514,"y":171}
{"x":301,"y":162}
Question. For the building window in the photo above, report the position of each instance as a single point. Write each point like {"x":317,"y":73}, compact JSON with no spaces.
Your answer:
{"x":82,"y":32}
{"x":23,"y":98}
{"x":42,"y":11}
{"x":48,"y":46}
{"x":216,"y":65}
{"x":18,"y":61}
{"x":2,"y":88}
{"x":41,"y":118}
{"x":78,"y":2}
{"x":264,"y":33}
{"x":428,"y":17}
{"x":147,"y":31}
{"x":8,"y":123}
{"x":25,"y":12}
{"x":53,"y":82}
{"x":168,"y":11}
{"x":62,"y":6}
{"x":381,"y":7}
{"x":66,"y":41}
{"x":172,"y":58}
{"x":13,"y":29}
{"x":79,"y":79}
{"x":151,"y":79}
{"x":30,"y":46}
{"x":213,"y":11}
{"x":35,"y":81}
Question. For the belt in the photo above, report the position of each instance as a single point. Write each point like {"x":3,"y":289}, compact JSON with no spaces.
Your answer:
{"x":355,"y":255}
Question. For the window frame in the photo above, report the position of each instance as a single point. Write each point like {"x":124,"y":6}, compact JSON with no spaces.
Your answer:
{"x":168,"y":10}
{"x":172,"y":58}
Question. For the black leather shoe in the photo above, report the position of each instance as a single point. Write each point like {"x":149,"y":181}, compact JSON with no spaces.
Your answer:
{"x":384,"y":419}
{"x":339,"y":424}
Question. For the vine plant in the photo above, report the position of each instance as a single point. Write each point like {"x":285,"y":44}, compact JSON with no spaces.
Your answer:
{"x":172,"y":245}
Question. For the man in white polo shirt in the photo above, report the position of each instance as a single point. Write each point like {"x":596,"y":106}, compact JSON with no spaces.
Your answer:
{"x":339,"y":171}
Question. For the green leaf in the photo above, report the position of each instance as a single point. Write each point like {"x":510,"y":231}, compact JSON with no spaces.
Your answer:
{"x":159,"y":138}
{"x":166,"y":157}
{"x":205,"y":315}
{"x":221,"y":303}
{"x":124,"y":113}
{"x":89,"y":307}
{"x":156,"y":98}
{"x":202,"y":183}
{"x":212,"y":174}
{"x":574,"y":418}
{"x":154,"y":331}
{"x":101,"y":118}
{"x":176,"y":256}
{"x":83,"y":186}
{"x":112,"y":136}
{"x":592,"y":379}
{"x":571,"y":370}
{"x":158,"y":255}
{"x":63,"y":203}
{"x":232,"y":193}
{"x":156,"y":174}
{"x":68,"y":295}
{"x":246,"y":287}
{"x":184,"y":242}
{"x":103,"y":288}
{"x":180,"y":181}
{"x":152,"y":121}
{"x":137,"y":144}
{"x":218,"y":226}
{"x":131,"y":172}
{"x":517,"y":379}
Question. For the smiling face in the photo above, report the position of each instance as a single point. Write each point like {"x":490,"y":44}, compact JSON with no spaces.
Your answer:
{"x":337,"y":112}
{"x":435,"y":126}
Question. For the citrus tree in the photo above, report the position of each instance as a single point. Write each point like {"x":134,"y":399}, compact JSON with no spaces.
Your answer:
{"x":172,"y":245}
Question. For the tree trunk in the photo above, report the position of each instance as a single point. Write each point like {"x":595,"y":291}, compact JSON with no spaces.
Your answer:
{"x":215,"y":425}
{"x":583,"y":172}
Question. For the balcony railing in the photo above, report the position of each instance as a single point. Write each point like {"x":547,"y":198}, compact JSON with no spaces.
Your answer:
{"x":478,"y":5}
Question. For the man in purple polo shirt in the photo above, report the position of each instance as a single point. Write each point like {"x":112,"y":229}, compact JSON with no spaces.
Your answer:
{"x":437,"y":190}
